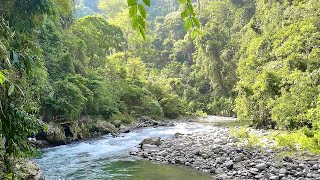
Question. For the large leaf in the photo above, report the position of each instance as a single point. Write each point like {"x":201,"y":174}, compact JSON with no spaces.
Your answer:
{"x":133,"y":11}
{"x":142,"y":22}
{"x":135,"y":23}
{"x":184,"y":14}
{"x":188,"y":24}
{"x":147,"y":2}
{"x":132,"y":2}
{"x":142,"y":32}
{"x":142,"y":10}
{"x":196,"y":22}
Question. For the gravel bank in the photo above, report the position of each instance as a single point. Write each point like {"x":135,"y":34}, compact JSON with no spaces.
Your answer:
{"x":215,"y":151}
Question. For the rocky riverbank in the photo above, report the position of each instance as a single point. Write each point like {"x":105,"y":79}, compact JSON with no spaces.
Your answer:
{"x":217,"y":152}
{"x":65,"y":133}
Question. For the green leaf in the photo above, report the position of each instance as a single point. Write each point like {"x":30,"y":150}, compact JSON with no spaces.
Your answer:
{"x":135,"y":23}
{"x":184,"y":14}
{"x":147,"y":2}
{"x":142,"y":10}
{"x":188,"y":24}
{"x":133,"y":11}
{"x":196,"y":22}
{"x":132,"y":2}
{"x":193,"y":33}
{"x":27,"y":63}
{"x":142,"y":32}
{"x":182,"y":1}
{"x":142,"y":22}
{"x":2,"y":78}
{"x":190,"y":9}
{"x":11,"y":89}
{"x":45,"y":127}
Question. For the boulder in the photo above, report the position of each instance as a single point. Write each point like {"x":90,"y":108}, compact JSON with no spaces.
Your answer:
{"x":28,"y":170}
{"x":79,"y":130}
{"x":124,"y":129}
{"x":55,"y":134}
{"x":177,"y":135}
{"x":105,"y":127}
{"x":151,"y":141}
{"x":146,"y":119}
{"x":40,"y":143}
{"x":116,"y":123}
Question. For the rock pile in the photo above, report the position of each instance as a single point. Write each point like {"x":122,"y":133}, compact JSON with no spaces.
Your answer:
{"x":218,"y":153}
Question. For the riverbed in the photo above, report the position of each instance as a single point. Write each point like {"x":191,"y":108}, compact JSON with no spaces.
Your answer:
{"x":108,"y":158}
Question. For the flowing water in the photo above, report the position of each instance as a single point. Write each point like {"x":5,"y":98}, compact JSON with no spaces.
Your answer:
{"x":108,"y":158}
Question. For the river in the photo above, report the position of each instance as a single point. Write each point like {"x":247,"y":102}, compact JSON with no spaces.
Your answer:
{"x":108,"y":158}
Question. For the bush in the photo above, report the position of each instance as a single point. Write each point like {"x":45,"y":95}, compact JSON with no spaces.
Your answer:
{"x":302,"y":139}
{"x":122,"y":117}
{"x":152,"y":108}
{"x":173,"y":106}
{"x":222,"y":106}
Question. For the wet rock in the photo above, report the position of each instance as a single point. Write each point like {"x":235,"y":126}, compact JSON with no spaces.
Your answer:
{"x":124,"y":129}
{"x":177,"y":135}
{"x":105,"y":127}
{"x":151,"y":141}
{"x":133,"y":153}
{"x":55,"y":134}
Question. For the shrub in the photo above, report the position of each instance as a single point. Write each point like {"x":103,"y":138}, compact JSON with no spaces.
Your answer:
{"x":173,"y":106}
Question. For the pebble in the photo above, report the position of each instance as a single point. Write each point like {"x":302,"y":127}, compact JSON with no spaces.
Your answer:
{"x":282,"y":171}
{"x":261,"y":166}
{"x":274,"y":177}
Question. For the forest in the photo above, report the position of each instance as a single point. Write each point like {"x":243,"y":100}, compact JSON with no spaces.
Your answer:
{"x":85,"y":62}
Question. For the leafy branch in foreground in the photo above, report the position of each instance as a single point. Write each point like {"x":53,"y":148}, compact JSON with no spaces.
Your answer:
{"x":138,"y":15}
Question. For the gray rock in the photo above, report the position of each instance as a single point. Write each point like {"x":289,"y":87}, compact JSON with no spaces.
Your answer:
{"x":282,"y":171}
{"x":124,"y":129}
{"x":177,"y":135}
{"x":261,"y":166}
{"x":274,"y":177}
{"x":151,"y":141}
{"x":287,"y":158}
{"x":315,"y":167}
{"x":27,"y":169}
{"x":219,"y":170}
{"x":313,"y":162}
{"x":229,"y":164}
{"x":254,"y":171}
{"x":149,"y":147}
{"x":237,"y":159}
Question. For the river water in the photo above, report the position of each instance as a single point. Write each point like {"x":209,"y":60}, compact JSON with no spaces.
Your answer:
{"x":108,"y":158}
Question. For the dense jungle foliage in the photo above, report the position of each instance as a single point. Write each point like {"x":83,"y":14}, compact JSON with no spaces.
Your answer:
{"x":62,"y":60}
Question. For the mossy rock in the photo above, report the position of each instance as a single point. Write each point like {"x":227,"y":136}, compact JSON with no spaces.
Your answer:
{"x":55,"y":134}
{"x":28,"y":170}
